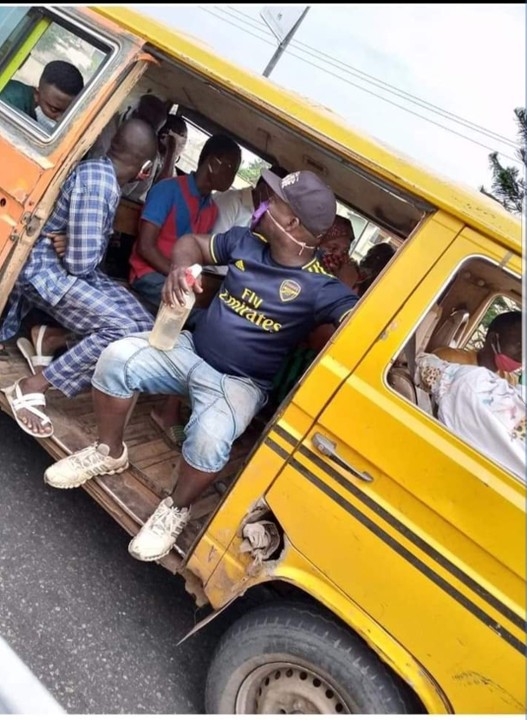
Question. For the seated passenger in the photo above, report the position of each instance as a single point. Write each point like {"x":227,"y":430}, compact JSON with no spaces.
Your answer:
{"x":372,"y":264}
{"x":272,"y":295}
{"x":148,"y":108}
{"x":59,"y":85}
{"x":501,"y":351}
{"x":176,"y":207}
{"x":236,"y":206}
{"x":335,"y":247}
{"x":173,"y":135}
{"x":72,"y":289}
{"x":480,"y":407}
{"x":171,"y":141}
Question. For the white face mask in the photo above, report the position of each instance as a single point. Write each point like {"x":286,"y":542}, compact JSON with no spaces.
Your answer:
{"x":44,"y":121}
{"x":181,"y":141}
{"x":302,"y":245}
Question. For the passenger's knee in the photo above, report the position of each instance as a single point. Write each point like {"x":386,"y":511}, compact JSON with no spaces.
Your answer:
{"x":120,"y":351}
{"x":110,"y":371}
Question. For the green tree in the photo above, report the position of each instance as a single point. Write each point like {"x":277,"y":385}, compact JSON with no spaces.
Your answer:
{"x":252,"y":171}
{"x":508,"y":185}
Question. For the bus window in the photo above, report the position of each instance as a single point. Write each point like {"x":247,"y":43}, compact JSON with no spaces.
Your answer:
{"x":30,"y":40}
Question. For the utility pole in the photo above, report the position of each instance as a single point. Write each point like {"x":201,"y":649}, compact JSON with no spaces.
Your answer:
{"x":283,"y":44}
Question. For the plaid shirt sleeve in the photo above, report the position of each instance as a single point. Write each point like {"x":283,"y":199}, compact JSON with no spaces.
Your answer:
{"x":91,"y":210}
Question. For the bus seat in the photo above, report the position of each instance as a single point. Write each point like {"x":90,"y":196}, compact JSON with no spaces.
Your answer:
{"x":450,"y":331}
{"x":426,"y":328}
{"x":400,"y":380}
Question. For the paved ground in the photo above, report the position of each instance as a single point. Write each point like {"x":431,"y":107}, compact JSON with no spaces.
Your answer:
{"x":98,"y":628}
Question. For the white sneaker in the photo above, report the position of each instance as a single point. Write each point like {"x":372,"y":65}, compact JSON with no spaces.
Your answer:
{"x":76,"y":469}
{"x":160,"y":532}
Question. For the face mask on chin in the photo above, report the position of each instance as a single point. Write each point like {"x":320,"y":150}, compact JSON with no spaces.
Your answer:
{"x":503,"y":362}
{"x":302,"y":245}
{"x":44,"y":121}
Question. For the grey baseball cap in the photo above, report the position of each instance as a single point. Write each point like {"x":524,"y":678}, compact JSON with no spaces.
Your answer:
{"x":312,"y":201}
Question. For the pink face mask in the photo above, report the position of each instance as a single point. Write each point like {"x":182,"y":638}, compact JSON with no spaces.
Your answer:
{"x":504,"y":362}
{"x":301,"y":245}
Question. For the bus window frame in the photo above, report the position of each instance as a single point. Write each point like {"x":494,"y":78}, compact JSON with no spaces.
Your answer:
{"x":93,"y":36}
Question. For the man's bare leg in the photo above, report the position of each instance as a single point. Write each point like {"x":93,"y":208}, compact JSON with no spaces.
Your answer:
{"x":54,"y":339}
{"x":112,"y":415}
{"x":191,"y":484}
{"x":169,"y":413}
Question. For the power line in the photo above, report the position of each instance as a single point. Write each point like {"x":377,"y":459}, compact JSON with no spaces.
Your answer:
{"x":381,"y":84}
{"x":240,"y":27}
{"x":244,"y":17}
{"x":415,"y":100}
{"x":359,"y":87}
{"x":310,"y":50}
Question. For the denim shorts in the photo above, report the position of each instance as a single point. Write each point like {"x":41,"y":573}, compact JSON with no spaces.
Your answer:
{"x":222,"y":405}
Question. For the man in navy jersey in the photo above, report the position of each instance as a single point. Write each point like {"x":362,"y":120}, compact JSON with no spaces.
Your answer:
{"x":275,"y":292}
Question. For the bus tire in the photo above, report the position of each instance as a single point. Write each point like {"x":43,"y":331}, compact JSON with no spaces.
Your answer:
{"x":293,"y":658}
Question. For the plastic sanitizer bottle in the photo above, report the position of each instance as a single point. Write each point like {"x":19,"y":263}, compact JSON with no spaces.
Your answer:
{"x":170,"y":320}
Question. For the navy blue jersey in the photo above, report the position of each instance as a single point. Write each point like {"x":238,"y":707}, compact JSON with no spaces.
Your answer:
{"x":263,"y":309}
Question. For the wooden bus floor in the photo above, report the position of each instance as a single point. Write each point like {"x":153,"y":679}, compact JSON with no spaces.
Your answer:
{"x":133,"y":495}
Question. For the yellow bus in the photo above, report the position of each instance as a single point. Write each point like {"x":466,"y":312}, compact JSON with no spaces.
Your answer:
{"x":393,"y":576}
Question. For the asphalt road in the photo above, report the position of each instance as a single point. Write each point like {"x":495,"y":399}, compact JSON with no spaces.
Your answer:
{"x":98,"y":628}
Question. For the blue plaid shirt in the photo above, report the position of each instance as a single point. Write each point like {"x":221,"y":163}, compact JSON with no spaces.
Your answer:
{"x":84,"y":211}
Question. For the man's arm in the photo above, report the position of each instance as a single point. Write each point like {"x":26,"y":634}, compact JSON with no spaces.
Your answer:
{"x":159,"y":202}
{"x":148,"y":250}
{"x":188,"y":250}
{"x":88,"y":219}
{"x":203,"y":249}
{"x":333,"y":303}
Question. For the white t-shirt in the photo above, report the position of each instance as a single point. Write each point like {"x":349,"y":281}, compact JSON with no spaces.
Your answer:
{"x":235,"y":209}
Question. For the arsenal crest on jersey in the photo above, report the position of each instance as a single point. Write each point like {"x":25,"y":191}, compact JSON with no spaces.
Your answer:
{"x":289,"y":290}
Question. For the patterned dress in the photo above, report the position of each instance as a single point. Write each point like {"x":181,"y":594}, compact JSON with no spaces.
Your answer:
{"x":480,"y":407}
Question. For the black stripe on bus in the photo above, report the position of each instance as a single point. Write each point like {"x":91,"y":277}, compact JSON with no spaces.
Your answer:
{"x":284,"y":434}
{"x":412,"y":559}
{"x":424,"y":546}
{"x":278,"y":450}
{"x":418,"y":541}
{"x":484,"y":594}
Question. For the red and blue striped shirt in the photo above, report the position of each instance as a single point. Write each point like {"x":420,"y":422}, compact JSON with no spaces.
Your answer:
{"x":177,"y":207}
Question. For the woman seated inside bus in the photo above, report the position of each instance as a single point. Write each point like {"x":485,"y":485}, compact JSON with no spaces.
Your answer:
{"x":480,"y":407}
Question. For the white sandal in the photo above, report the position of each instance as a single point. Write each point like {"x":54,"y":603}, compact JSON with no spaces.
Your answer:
{"x":30,"y":402}
{"x":32,"y":354}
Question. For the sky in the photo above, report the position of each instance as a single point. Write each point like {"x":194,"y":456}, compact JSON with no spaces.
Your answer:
{"x":468,"y":60}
